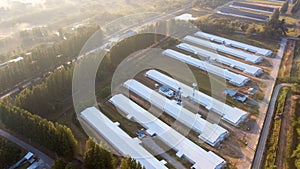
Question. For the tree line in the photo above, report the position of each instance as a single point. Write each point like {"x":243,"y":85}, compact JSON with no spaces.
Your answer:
{"x":284,"y":7}
{"x":293,"y":137}
{"x":50,"y":96}
{"x":55,"y":91}
{"x":274,"y":28}
{"x":292,"y":153}
{"x":9,"y":153}
{"x":296,"y":7}
{"x":44,"y":58}
{"x":120,"y":51}
{"x":56,"y":137}
{"x":273,"y":140}
{"x":295,"y":156}
{"x":62,"y":140}
{"x":96,"y":157}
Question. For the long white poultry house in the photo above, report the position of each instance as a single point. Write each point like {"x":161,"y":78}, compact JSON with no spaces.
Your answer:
{"x":119,"y":139}
{"x":246,"y":68}
{"x":200,"y":158}
{"x":224,"y":49}
{"x":210,"y":133}
{"x":233,"y":78}
{"x":236,"y":44}
{"x":230,"y":114}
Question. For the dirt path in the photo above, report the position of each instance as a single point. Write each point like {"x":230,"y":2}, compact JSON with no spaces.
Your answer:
{"x":257,"y":162}
{"x":287,"y":61}
{"x":285,"y":124}
{"x":267,"y":105}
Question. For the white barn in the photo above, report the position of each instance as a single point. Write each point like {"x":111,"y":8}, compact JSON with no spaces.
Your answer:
{"x":246,"y":68}
{"x":224,"y":49}
{"x":230,"y":114}
{"x":120,"y":140}
{"x":210,"y":133}
{"x":184,"y":147}
{"x":236,"y":44}
{"x":233,"y":78}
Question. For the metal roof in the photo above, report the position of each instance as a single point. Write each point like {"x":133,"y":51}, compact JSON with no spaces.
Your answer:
{"x":253,"y":7}
{"x":210,"y":133}
{"x":230,"y":114}
{"x":221,"y":48}
{"x":233,"y":78}
{"x":200,"y":158}
{"x":243,"y":46}
{"x":28,"y":155}
{"x":119,"y":139}
{"x":230,"y":92}
{"x":243,"y":14}
{"x":246,"y":68}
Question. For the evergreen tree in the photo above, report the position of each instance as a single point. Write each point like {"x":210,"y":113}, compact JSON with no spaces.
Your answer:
{"x":44,"y":58}
{"x":275,"y":18}
{"x":296,"y":7}
{"x":9,"y":153}
{"x":284,"y":7}
{"x":69,"y":166}
{"x":49,"y":96}
{"x":296,"y":155}
{"x":130,"y":163}
{"x":272,"y":28}
{"x":59,"y":164}
{"x":55,"y":137}
{"x":96,"y":157}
